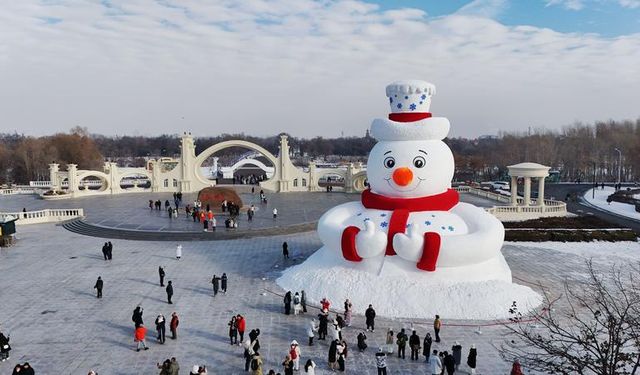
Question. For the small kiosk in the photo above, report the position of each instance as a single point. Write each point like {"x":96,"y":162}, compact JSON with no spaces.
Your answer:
{"x":7,"y":230}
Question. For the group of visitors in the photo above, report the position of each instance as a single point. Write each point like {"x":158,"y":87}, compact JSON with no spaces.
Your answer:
{"x":219,"y":283}
{"x":140,"y":331}
{"x":299,"y":301}
{"x":107,"y":250}
{"x":169,"y":367}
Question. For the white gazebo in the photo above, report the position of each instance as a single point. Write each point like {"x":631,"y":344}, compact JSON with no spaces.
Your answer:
{"x":527,"y":171}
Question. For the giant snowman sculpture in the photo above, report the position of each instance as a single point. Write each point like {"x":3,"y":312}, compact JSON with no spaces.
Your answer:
{"x":409,"y":247}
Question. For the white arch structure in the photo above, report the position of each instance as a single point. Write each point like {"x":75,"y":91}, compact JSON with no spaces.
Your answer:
{"x":227,"y":172}
{"x":187,"y":176}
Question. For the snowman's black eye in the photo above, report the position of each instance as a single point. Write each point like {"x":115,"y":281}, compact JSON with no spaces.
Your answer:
{"x":419,"y":162}
{"x":389,"y":162}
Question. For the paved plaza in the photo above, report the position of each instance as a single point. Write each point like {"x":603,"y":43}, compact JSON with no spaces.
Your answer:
{"x":56,"y":323}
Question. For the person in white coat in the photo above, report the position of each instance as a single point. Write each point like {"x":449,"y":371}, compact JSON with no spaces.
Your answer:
{"x":178,"y":252}
{"x":435,"y":364}
{"x":297,"y":305}
{"x":335,"y":330}
{"x":313,"y":327}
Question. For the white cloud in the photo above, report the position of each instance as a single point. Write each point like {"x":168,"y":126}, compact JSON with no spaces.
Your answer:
{"x":305,"y":67}
{"x":568,"y":4}
{"x":631,"y":4}
{"x":483,"y":8}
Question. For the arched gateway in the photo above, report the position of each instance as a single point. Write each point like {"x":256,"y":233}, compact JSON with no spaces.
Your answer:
{"x":186,"y":173}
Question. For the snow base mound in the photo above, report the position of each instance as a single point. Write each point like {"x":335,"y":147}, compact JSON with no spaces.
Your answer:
{"x":478,"y":292}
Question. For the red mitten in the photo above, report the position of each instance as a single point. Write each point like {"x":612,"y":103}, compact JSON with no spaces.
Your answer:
{"x":430,"y":252}
{"x":349,"y":251}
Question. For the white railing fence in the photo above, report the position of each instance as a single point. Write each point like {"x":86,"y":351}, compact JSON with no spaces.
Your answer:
{"x":50,"y":215}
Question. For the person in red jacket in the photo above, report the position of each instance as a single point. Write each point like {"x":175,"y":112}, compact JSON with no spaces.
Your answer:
{"x":139,"y":336}
{"x":173,"y":326}
{"x":242,"y":324}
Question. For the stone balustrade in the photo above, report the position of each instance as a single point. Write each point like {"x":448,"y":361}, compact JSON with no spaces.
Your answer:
{"x":51,"y":215}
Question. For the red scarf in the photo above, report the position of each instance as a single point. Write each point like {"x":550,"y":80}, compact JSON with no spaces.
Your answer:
{"x":401,"y":207}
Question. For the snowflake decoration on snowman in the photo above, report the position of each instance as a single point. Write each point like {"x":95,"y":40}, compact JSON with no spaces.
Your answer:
{"x":410,"y":211}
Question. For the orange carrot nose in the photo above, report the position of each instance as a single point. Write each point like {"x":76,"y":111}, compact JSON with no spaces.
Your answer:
{"x":402,"y":176}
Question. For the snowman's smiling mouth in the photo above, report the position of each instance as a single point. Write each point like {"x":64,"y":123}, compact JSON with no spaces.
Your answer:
{"x":393,"y":186}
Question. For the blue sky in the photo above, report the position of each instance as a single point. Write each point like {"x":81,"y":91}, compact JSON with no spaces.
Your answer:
{"x":608,"y":18}
{"x":313,"y":67}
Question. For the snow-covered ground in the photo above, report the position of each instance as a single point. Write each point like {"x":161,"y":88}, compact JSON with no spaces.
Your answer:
{"x":602,"y":251}
{"x":600,"y":201}
{"x":409,"y":294}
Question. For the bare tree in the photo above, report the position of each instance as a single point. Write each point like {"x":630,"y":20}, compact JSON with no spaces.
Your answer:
{"x":598,"y":332}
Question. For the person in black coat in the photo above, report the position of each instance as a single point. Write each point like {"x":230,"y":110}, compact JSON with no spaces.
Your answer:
{"x":362,"y":341}
{"x":471,"y":359}
{"x":323,"y":326}
{"x":169,"y":290}
{"x":333,"y":354}
{"x":109,"y":250}
{"x":105,"y":251}
{"x":223,"y":282}
{"x":414,"y":344}
{"x":287,"y":303}
{"x":370,"y":314}
{"x":161,"y":327}
{"x":27,"y":369}
{"x":161,"y":274}
{"x":216,"y":284}
{"x":98,"y":286}
{"x":137,"y":316}
{"x":426,"y":347}
{"x":5,"y":348}
{"x":285,"y":250}
{"x":449,"y":363}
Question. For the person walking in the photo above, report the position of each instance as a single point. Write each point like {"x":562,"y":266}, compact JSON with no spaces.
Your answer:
{"x":223,"y":283}
{"x":287,"y":303}
{"x":161,"y":328}
{"x":310,"y":367}
{"x":98,"y":286}
{"x":137,"y":316}
{"x":401,"y":342}
{"x":437,"y":324}
{"x":285,"y":250}
{"x":287,"y":364}
{"x":370,"y":315}
{"x":139,"y":337}
{"x":233,"y":331}
{"x":449,"y":363}
{"x":333,"y":355}
{"x":310,"y":331}
{"x":414,"y":345}
{"x":242,"y":324}
{"x":294,"y":351}
{"x":173,"y":326}
{"x":256,"y":364}
{"x":389,"y":341}
{"x":161,"y":274}
{"x":169,"y":290}
{"x":456,"y":352}
{"x":516,"y":369}
{"x":303,"y":301}
{"x":348,"y":307}
{"x":362,"y":341}
{"x":275,"y":213}
{"x":435,"y":365}
{"x":323,"y":319}
{"x":297,"y":306}
{"x":471,"y":359}
{"x":105,"y":251}
{"x":216,"y":284}
{"x":381,"y":362}
{"x":178,"y":251}
{"x":5,"y":348}
{"x":426,"y":347}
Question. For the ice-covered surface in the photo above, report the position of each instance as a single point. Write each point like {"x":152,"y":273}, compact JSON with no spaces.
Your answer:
{"x":399,"y":292}
{"x":618,"y":208}
{"x":600,"y":250}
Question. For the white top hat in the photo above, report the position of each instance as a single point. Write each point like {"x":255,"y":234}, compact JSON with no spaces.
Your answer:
{"x":410,"y":118}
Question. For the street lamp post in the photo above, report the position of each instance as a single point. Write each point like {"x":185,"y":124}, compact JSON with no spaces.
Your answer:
{"x":595,"y":183}
{"x":619,"y":165}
